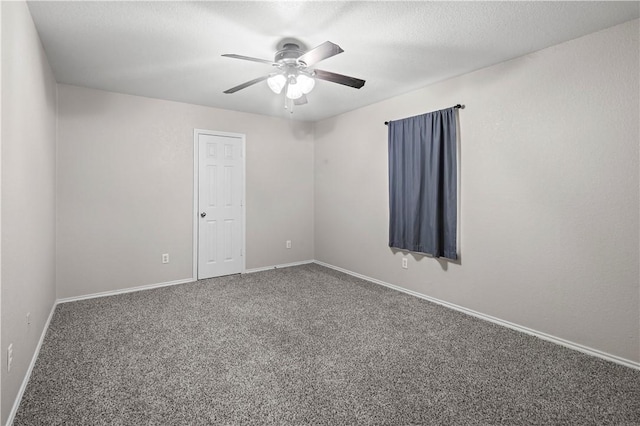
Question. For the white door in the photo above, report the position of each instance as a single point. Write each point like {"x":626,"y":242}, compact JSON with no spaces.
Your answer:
{"x":220,"y":205}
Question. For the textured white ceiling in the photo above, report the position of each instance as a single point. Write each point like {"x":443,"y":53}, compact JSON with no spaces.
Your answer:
{"x":171,"y":50}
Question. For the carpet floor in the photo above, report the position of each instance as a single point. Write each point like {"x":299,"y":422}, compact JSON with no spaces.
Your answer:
{"x":308,"y":345}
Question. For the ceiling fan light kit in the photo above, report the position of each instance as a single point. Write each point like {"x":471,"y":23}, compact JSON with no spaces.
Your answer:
{"x":294,"y":77}
{"x":277,"y":82}
{"x":297,"y":85}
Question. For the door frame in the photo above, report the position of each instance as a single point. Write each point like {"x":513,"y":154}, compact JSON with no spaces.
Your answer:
{"x":196,"y":183}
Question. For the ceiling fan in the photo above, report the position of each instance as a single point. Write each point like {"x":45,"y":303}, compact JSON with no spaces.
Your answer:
{"x":294,"y":75}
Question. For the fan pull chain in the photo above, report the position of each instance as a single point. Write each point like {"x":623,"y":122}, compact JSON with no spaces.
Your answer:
{"x":288,"y":104}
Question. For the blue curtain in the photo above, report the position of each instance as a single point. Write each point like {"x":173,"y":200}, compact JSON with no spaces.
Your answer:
{"x":423,"y":184}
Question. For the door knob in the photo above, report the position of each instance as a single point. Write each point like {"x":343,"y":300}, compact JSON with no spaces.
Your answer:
{"x":203,"y":214}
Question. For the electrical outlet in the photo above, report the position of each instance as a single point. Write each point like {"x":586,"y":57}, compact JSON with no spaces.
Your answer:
{"x":288,"y":244}
{"x":165,"y":258}
{"x":405,"y":263}
{"x":28,"y":319}
{"x":9,"y":357}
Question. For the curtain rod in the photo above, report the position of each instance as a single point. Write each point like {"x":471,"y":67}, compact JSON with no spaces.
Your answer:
{"x":458,"y":106}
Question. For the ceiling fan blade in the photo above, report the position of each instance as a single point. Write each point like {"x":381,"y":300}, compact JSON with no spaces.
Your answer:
{"x":319,"y":53}
{"x":246,"y":84}
{"x":338,"y":78}
{"x":249,"y":58}
{"x":301,"y":100}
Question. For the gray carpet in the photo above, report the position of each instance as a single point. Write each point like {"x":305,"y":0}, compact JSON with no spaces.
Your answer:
{"x":308,"y":345}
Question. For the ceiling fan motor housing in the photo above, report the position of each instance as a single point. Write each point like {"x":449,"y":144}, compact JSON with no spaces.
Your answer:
{"x":289,"y":54}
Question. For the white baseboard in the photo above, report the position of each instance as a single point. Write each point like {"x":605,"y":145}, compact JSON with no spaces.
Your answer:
{"x":527,"y":330}
{"x":27,"y":376}
{"x":284,"y":265}
{"x":124,"y":290}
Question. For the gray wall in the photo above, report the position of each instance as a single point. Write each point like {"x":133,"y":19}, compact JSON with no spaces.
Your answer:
{"x":28,"y":194}
{"x":125,"y":189}
{"x":549,"y":194}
